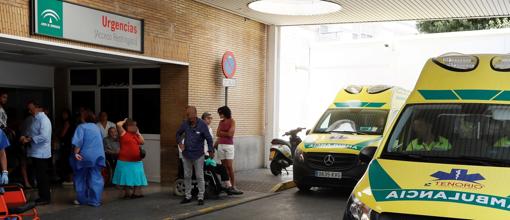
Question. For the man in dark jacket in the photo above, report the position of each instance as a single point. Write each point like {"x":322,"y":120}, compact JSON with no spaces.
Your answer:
{"x":195,"y":132}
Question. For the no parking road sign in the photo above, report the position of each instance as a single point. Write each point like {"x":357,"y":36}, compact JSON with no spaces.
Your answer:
{"x":229,"y":64}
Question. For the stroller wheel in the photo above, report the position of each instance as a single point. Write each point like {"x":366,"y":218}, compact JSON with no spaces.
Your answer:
{"x":179,"y":188}
{"x":211,"y":192}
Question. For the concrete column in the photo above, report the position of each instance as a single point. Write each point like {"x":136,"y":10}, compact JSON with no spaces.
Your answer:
{"x":272,"y":93}
{"x":174,"y":99}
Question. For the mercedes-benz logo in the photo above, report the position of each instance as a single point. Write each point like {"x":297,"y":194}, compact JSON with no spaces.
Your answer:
{"x":329,"y":160}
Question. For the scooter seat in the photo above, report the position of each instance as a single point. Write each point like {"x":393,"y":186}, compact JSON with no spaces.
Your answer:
{"x":280,"y":142}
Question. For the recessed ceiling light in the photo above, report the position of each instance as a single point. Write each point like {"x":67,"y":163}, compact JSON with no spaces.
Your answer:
{"x":295,"y":7}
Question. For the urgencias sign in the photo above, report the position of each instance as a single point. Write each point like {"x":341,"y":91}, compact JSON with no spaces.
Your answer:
{"x":61,"y":19}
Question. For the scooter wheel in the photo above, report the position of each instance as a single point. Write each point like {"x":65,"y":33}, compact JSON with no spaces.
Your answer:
{"x":275,"y":168}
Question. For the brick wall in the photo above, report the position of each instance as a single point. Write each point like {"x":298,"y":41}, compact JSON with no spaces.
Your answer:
{"x":174,"y":98}
{"x":189,"y":31}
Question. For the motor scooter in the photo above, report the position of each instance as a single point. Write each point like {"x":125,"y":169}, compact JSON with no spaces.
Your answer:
{"x":281,"y":153}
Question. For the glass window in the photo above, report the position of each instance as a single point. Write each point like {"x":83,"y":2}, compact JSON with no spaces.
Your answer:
{"x":83,"y":99}
{"x":353,"y":121}
{"x":146,"y":110}
{"x":83,"y":77}
{"x":452,"y":133}
{"x":115,"y":102}
{"x":114,"y":77}
{"x":146,"y":76}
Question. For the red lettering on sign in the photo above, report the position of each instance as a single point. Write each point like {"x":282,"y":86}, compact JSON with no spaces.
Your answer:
{"x":117,"y":25}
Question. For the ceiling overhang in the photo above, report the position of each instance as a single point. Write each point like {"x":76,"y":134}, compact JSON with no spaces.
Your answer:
{"x":30,"y":50}
{"x":355,"y":11}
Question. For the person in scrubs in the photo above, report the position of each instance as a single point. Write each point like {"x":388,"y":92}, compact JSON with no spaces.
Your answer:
{"x":4,"y":143}
{"x":88,"y":161}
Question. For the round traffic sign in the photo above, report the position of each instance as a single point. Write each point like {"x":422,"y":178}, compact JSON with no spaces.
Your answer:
{"x":229,"y":64}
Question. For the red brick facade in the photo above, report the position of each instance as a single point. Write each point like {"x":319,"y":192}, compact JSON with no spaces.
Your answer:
{"x":182,"y":30}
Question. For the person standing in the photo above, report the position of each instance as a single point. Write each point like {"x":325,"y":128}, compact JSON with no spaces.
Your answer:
{"x":129,"y":172}
{"x":225,"y":133}
{"x":4,"y":143}
{"x":65,"y":135}
{"x":39,"y":136}
{"x":88,"y":161}
{"x":218,"y":168}
{"x":195,"y":132}
{"x":4,"y":140}
{"x":3,"y":114}
{"x":25,"y":130}
{"x":103,"y":124}
{"x":112,"y":146}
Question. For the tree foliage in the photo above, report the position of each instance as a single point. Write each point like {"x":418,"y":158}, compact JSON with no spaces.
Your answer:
{"x":453,"y":25}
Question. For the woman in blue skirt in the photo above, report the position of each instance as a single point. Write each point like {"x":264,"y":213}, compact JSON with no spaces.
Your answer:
{"x":129,"y":172}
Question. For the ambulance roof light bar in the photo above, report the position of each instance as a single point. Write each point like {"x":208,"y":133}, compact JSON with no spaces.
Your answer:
{"x":353,"y":89}
{"x":501,"y":63}
{"x":378,"y":89}
{"x":457,"y":62}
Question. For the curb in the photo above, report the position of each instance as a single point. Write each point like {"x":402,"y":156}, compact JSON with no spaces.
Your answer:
{"x":283,"y":186}
{"x":218,"y":207}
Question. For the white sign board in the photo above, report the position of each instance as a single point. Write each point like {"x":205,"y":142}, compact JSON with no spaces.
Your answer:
{"x":66,"y":20}
{"x":229,"y":82}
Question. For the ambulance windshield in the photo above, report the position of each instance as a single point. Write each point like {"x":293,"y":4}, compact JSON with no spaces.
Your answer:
{"x":452,"y":133}
{"x":352,"y":121}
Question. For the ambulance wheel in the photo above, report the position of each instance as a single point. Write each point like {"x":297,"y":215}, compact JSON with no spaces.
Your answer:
{"x":303,"y":188}
{"x":179,"y":187}
{"x":275,"y":168}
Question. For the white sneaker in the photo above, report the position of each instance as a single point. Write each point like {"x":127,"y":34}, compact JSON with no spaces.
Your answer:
{"x":68,"y":183}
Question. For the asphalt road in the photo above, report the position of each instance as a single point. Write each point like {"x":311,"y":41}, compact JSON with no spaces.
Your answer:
{"x":318,"y":204}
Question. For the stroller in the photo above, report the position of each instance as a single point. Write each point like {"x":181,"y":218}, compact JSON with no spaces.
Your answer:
{"x":213,"y":186}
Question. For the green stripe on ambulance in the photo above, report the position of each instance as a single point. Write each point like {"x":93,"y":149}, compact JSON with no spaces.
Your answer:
{"x":490,"y":201}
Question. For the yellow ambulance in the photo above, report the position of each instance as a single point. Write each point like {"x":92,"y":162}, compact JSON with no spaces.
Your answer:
{"x":447,"y":156}
{"x":328,"y":157}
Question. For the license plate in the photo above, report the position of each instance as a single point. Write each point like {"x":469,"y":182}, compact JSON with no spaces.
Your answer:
{"x":271,"y":155}
{"x":327,"y":174}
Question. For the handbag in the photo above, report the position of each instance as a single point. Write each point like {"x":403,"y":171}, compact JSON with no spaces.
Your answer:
{"x":142,"y":153}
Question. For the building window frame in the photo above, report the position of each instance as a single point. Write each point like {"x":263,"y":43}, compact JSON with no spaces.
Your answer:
{"x":97,"y":89}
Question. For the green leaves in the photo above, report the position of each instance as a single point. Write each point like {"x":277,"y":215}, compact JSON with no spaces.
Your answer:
{"x":440,"y":26}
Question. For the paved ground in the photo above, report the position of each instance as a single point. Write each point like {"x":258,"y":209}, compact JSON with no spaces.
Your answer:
{"x":159,"y":202}
{"x":153,"y":206}
{"x":291,"y":204}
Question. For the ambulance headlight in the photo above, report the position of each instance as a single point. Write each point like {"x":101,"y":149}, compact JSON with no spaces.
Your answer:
{"x":501,"y":63}
{"x":357,"y":210}
{"x":353,"y":89}
{"x":457,"y":62}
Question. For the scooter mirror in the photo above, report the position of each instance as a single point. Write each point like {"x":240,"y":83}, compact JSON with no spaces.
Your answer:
{"x":367,"y":154}
{"x":308,"y":131}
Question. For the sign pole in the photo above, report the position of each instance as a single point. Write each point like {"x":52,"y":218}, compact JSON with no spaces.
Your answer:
{"x":226,"y":96}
